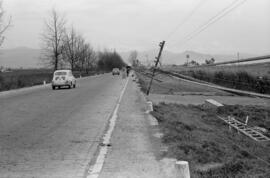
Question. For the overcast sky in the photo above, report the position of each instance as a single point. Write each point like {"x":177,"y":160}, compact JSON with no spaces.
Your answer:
{"x":141,"y":24}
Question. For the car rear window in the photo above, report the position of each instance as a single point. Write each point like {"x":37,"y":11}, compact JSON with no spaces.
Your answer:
{"x":60,"y":73}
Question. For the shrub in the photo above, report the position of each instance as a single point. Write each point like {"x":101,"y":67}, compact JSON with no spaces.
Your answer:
{"x":19,"y":80}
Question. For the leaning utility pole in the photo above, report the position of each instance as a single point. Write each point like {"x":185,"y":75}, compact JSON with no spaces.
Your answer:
{"x":161,"y":45}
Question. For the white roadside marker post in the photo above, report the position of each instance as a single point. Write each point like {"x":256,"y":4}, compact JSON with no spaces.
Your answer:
{"x":246,"y":122}
{"x":182,"y":168}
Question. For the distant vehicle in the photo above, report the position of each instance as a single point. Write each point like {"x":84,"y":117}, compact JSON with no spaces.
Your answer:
{"x":115,"y":71}
{"x":5,"y":70}
{"x":128,"y":68}
{"x":63,"y":78}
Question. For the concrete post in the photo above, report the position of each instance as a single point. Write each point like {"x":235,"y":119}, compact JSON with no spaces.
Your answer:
{"x":182,"y":168}
{"x":246,"y":120}
{"x":44,"y":82}
{"x":150,"y":106}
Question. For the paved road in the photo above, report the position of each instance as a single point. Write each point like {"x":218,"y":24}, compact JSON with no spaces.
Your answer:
{"x":47,"y":133}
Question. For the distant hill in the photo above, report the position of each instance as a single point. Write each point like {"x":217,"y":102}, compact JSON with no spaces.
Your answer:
{"x":180,"y":58}
{"x":30,"y":58}
{"x":20,"y":57}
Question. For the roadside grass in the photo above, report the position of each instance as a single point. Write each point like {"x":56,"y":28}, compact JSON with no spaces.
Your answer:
{"x":23,"y":78}
{"x":259,"y":116}
{"x":243,"y":77}
{"x":173,"y":86}
{"x":143,"y":83}
{"x":258,"y":69}
{"x":29,"y":77}
{"x":199,"y":137}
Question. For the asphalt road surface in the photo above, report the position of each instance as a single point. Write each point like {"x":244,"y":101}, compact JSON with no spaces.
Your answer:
{"x":55,"y":133}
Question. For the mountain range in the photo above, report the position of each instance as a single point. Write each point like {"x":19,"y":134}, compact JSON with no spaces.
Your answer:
{"x":30,"y":58}
{"x":21,"y":57}
{"x":169,"y":57}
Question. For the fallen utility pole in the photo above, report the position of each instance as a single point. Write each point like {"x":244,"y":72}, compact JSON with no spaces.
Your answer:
{"x":235,"y":61}
{"x":161,"y":45}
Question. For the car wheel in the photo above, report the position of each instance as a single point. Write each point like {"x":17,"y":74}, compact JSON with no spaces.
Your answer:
{"x":53,"y":87}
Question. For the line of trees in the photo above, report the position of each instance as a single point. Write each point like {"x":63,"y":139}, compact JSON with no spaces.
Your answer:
{"x":64,"y":47}
{"x":109,"y":60}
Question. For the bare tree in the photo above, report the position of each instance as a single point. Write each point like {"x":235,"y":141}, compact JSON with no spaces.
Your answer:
{"x":133,"y":58}
{"x":69,"y":47}
{"x":211,"y":61}
{"x":91,"y":58}
{"x":80,"y":52}
{"x":3,"y":26}
{"x":53,"y":37}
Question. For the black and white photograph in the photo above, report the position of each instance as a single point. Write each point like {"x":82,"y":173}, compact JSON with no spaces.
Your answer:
{"x":134,"y":89}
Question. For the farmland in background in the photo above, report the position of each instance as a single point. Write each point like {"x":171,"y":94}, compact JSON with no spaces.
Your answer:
{"x":164,"y":84}
{"x":23,"y":78}
{"x":20,"y":78}
{"x":258,"y":69}
{"x":243,"y":77}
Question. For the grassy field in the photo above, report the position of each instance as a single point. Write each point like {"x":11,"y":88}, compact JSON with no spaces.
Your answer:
{"x":243,"y":77}
{"x":258,"y":69}
{"x":259,"y":116}
{"x":24,"y":78}
{"x":29,"y":77}
{"x":198,"y":136}
{"x":168,"y":85}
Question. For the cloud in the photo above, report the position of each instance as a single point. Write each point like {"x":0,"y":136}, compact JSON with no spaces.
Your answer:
{"x":128,"y":24}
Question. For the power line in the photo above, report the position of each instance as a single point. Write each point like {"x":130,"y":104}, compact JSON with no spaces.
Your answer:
{"x":232,"y":6}
{"x":210,"y":23}
{"x":201,"y":2}
{"x":212,"y":18}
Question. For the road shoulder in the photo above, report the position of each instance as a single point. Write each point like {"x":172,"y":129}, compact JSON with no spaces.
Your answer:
{"x":131,"y":153}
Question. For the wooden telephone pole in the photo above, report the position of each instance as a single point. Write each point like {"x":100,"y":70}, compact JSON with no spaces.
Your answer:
{"x":161,"y":45}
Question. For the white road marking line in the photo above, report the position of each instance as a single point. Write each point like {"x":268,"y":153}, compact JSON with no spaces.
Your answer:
{"x":97,"y":167}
